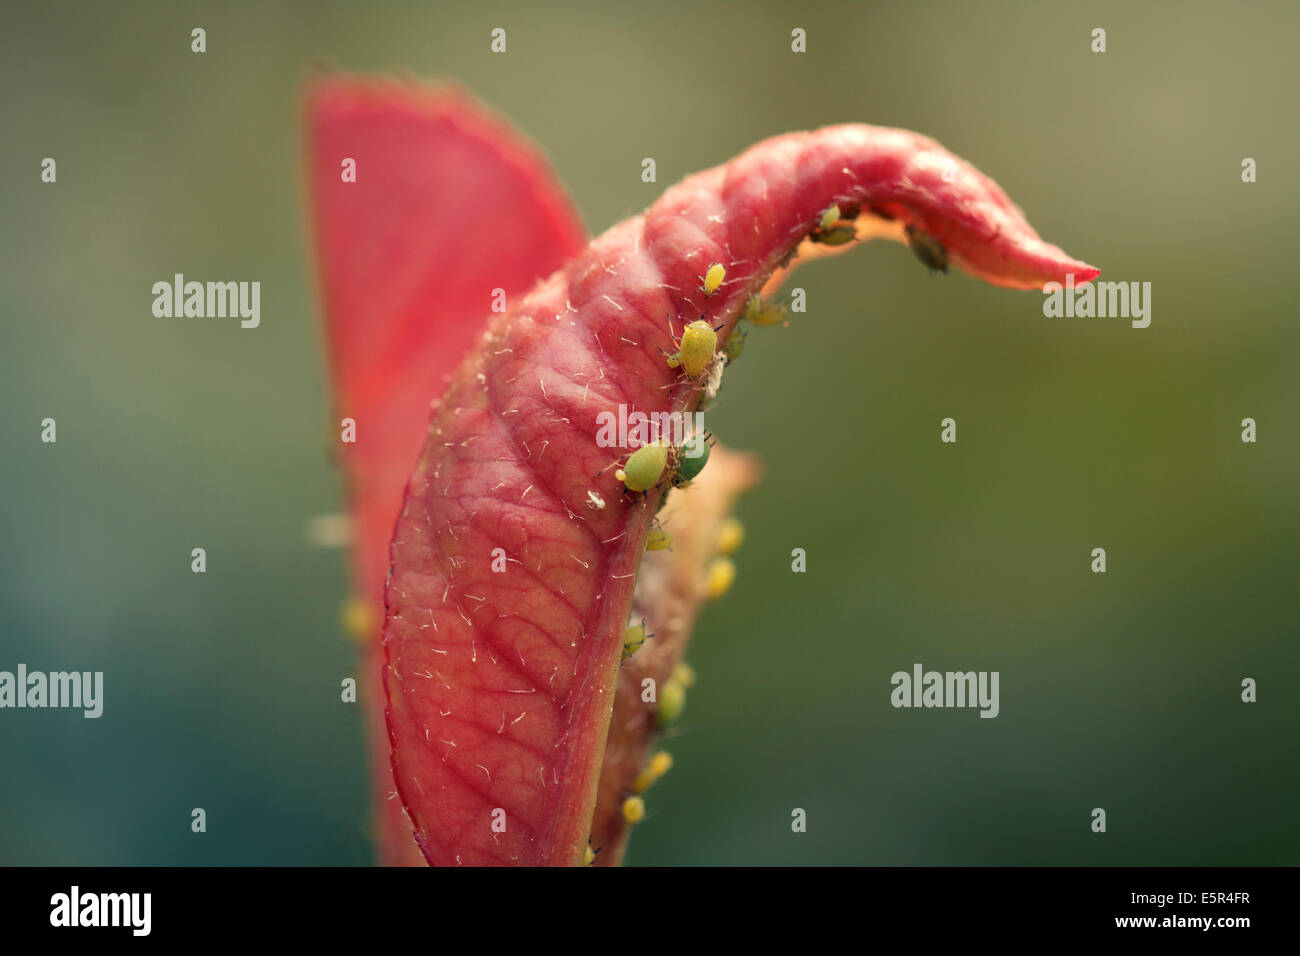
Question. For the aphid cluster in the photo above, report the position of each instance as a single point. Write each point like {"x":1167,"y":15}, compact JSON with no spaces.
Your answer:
{"x":633,"y":808}
{"x":655,"y":767}
{"x":649,"y":466}
{"x":835,"y":226}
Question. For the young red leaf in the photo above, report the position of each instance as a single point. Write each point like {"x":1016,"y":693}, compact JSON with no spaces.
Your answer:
{"x":423,"y":202}
{"x":501,"y":685}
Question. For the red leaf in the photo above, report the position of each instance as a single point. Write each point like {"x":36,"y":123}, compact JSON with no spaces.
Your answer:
{"x":501,"y":685}
{"x":449,"y":203}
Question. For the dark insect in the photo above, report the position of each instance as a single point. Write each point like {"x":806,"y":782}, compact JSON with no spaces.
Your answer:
{"x":928,"y":249}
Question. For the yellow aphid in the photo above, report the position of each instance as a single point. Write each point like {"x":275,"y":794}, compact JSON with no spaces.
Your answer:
{"x":713,"y":278}
{"x":830,"y":217}
{"x":684,"y":674}
{"x":695,"y":352}
{"x":671,"y":703}
{"x":763,"y":313}
{"x":658,"y":540}
{"x":719,"y":577}
{"x":633,"y":638}
{"x":661,"y":763}
{"x":731,"y":536}
{"x":633,"y":810}
{"x":656,"y":767}
{"x":358,"y":621}
{"x":589,"y":858}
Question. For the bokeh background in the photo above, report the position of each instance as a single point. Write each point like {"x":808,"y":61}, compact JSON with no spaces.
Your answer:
{"x":1118,"y":691}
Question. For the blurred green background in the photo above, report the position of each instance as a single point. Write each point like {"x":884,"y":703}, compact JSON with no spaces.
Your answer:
{"x":1118,"y":691}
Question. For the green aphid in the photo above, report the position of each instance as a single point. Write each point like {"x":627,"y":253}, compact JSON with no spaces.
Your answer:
{"x":691,"y":458}
{"x":763,"y":313}
{"x":633,"y":638}
{"x":928,"y":249}
{"x":644,"y":467}
{"x":735,"y":345}
{"x":835,"y":236}
{"x":828,"y":233}
{"x":695,"y":351}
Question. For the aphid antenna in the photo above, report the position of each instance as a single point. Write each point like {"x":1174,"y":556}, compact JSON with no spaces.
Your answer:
{"x":673,"y":337}
{"x":671,"y":334}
